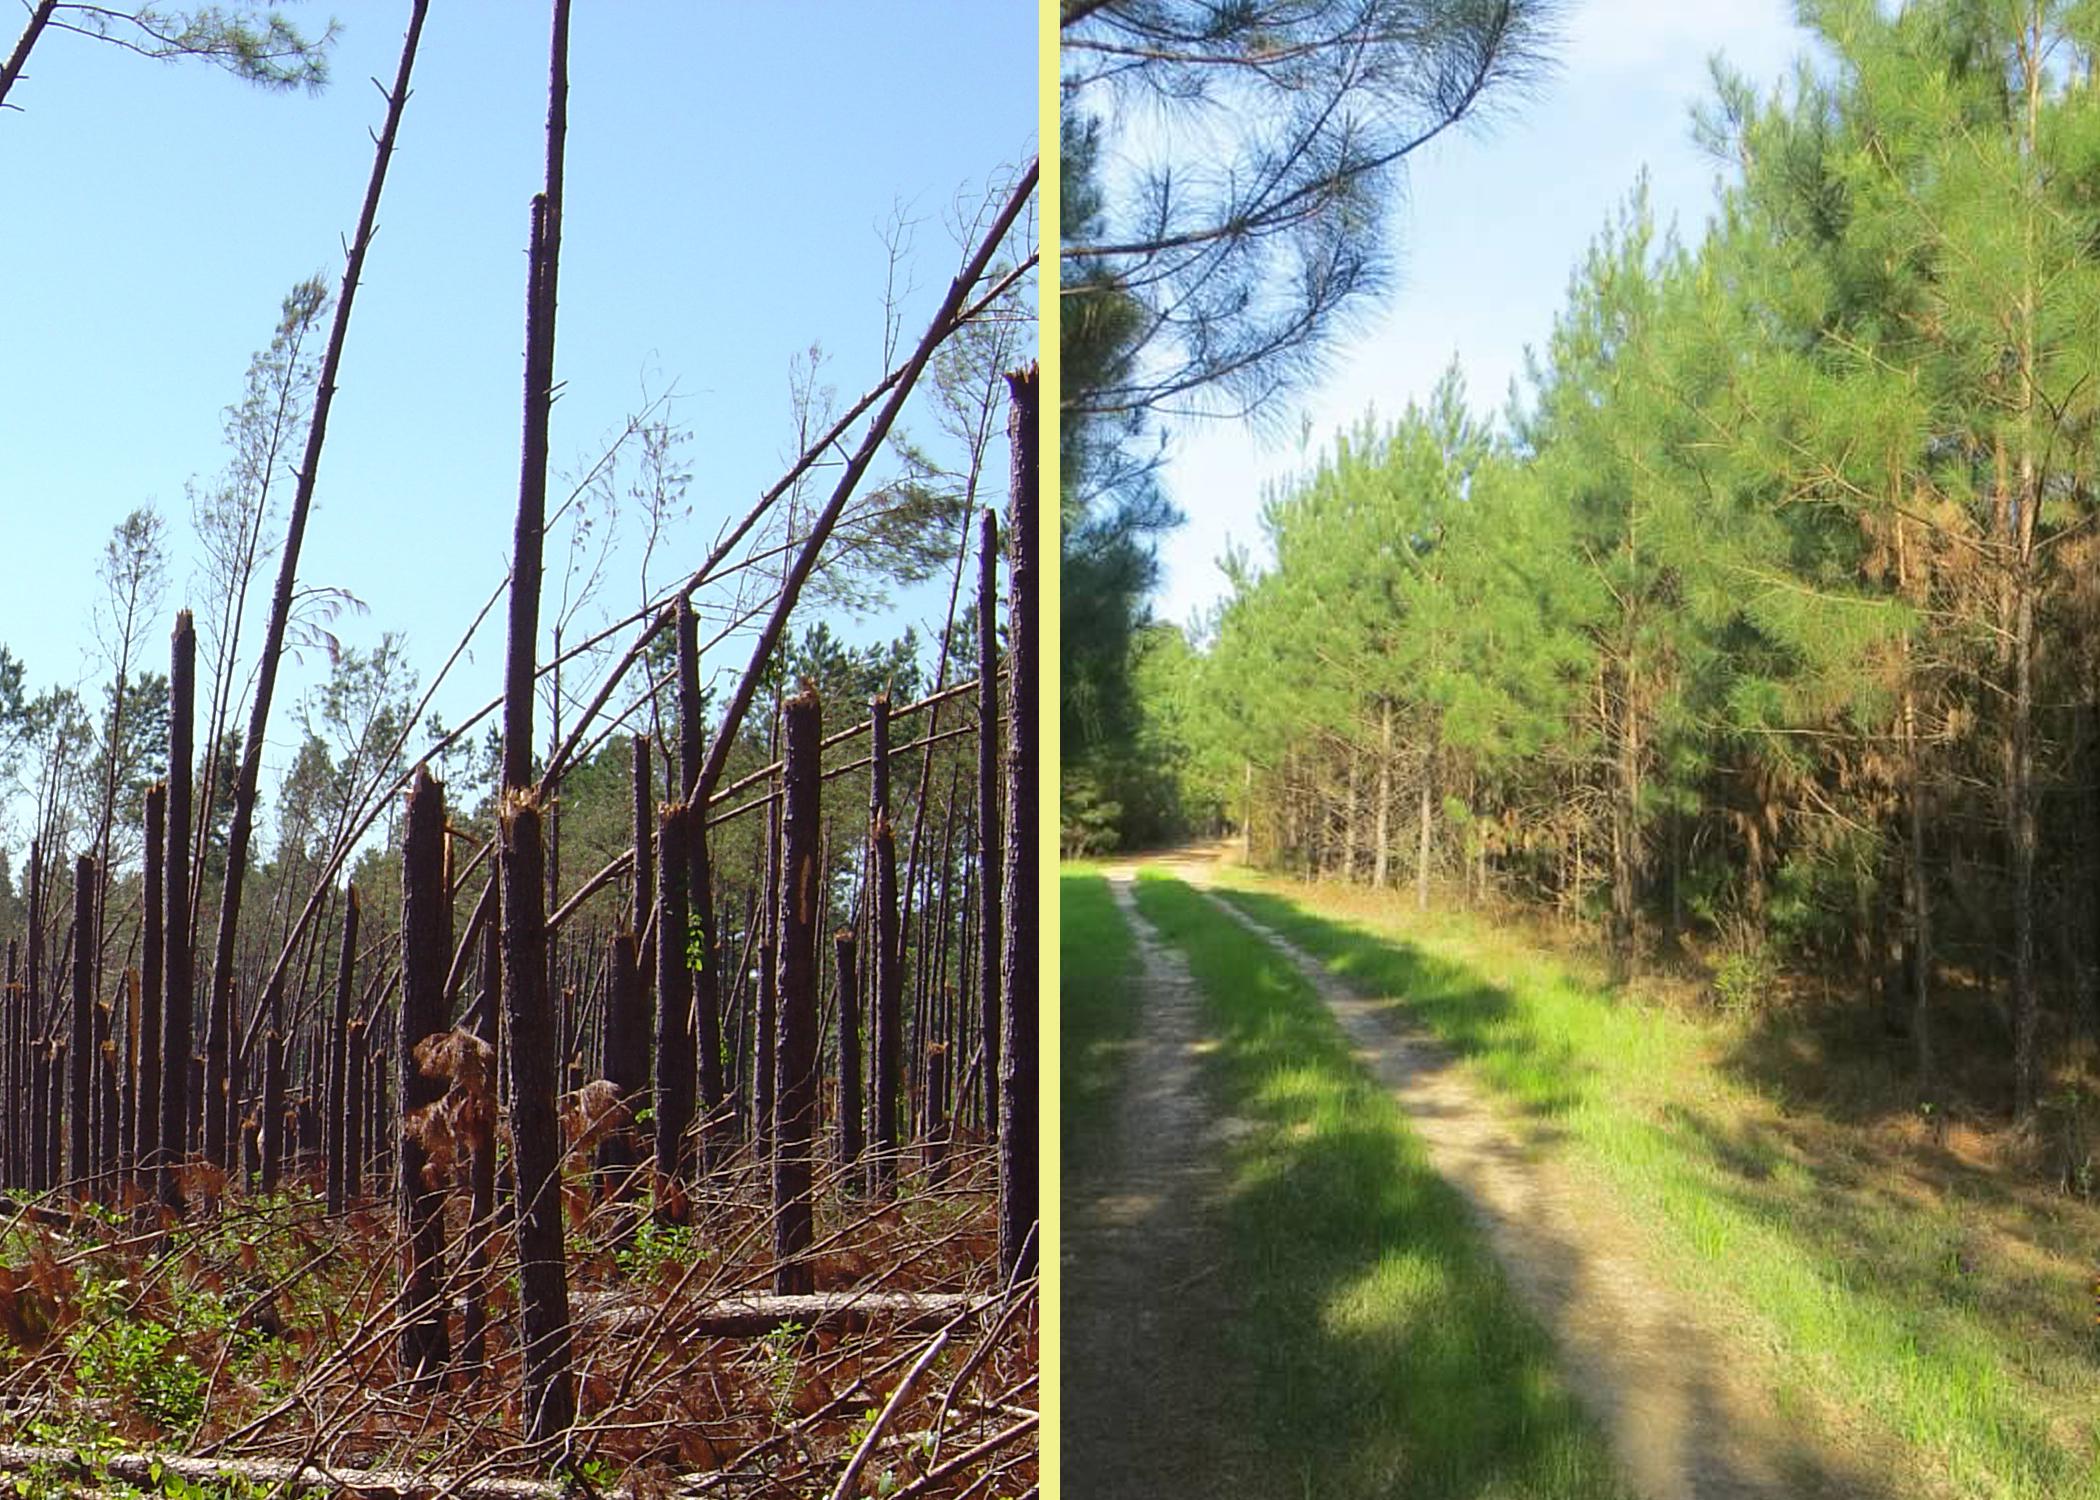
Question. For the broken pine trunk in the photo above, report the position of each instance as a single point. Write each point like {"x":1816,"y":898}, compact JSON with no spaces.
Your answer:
{"x":795,"y":1088}
{"x":550,"y":1398}
{"x":1019,"y":1072}
{"x":426,"y":949}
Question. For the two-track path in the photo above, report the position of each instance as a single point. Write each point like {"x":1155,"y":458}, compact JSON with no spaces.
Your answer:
{"x":1675,"y":1394}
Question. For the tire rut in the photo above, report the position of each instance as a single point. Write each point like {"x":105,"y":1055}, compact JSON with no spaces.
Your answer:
{"x":1154,"y":1405}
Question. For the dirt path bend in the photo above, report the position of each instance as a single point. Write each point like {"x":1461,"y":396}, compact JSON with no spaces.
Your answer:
{"x":1671,"y":1391}
{"x":1153,"y":1409}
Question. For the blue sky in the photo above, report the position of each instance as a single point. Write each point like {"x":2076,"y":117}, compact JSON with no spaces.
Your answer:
{"x":731,"y":171}
{"x":1495,"y":221}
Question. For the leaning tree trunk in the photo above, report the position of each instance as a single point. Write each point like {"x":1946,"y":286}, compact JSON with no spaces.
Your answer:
{"x":1019,"y":1073}
{"x":220,"y":1039}
{"x":795,"y":1044}
{"x":426,"y":951}
{"x":10,"y":70}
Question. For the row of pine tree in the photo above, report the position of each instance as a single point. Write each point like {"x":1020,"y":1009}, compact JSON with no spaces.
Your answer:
{"x":1768,"y":620}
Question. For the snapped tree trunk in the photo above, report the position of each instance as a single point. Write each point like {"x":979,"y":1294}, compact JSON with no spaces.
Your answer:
{"x":795,"y":1047}
{"x":80,"y":1162}
{"x":1019,"y":1073}
{"x":988,"y":833}
{"x":145,"y":1062}
{"x":176,"y":969}
{"x":426,"y":952}
{"x":528,"y":1013}
{"x":672,"y":1097}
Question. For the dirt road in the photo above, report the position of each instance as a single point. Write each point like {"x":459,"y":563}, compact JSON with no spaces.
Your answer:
{"x":1686,"y":1418}
{"x":1153,"y":1407}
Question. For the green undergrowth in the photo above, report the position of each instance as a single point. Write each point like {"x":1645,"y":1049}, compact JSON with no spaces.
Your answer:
{"x":1392,"y":1358}
{"x":1097,"y":1021}
{"x":1950,"y":1309}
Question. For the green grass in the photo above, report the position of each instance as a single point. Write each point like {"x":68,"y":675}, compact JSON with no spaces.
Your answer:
{"x":1948,"y":1306}
{"x":1095,"y":958}
{"x":1391,"y":1356}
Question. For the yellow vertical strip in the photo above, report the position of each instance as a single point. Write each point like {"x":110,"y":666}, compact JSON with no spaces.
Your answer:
{"x":1050,"y":1393}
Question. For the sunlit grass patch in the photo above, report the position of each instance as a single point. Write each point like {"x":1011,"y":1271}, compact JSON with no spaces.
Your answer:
{"x":1098,"y":1014}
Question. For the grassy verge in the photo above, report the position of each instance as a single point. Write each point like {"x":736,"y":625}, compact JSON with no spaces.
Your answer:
{"x":1391,"y":1357}
{"x":1948,"y":1305}
{"x":1096,"y":1018}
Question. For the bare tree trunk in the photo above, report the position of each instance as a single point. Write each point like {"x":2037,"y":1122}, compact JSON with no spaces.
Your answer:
{"x":706,"y":978}
{"x":2020,"y":800}
{"x":354,"y":1110}
{"x":1352,"y":821}
{"x":672,"y":1098}
{"x":889,"y":1011}
{"x":550,"y":1397}
{"x":850,"y":1105}
{"x":1381,"y":832}
{"x":1422,"y":849}
{"x":80,"y":1163}
{"x":10,"y":1077}
{"x":795,"y":1086}
{"x":146,"y":1061}
{"x":644,"y":891}
{"x":342,"y":1120}
{"x":426,"y":952}
{"x":1917,"y":899}
{"x":272,"y":1106}
{"x":482,"y":1169}
{"x":533,"y":1035}
{"x":1019,"y":1072}
{"x":626,"y":1047}
{"x":988,"y":832}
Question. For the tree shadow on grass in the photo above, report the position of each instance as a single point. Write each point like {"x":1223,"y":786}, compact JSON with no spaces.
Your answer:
{"x":1946,"y":1306}
{"x":1466,"y":1013}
